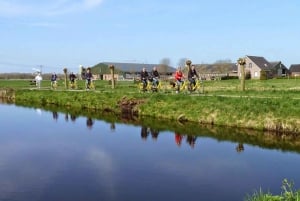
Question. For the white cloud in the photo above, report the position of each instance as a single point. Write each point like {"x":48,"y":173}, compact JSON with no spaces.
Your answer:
{"x":45,"y":8}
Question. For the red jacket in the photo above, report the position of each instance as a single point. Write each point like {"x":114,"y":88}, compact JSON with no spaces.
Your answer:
{"x":178,"y":75}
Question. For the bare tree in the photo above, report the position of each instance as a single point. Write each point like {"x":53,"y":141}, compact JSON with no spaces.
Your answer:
{"x":223,"y":61}
{"x":163,"y":66}
{"x":181,"y":62}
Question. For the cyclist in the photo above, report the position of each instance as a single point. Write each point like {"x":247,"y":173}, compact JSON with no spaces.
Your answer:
{"x":53,"y":79}
{"x":144,"y":77}
{"x":72,"y":78}
{"x":155,"y":77}
{"x":192,"y":75}
{"x":179,"y":78}
{"x":88,"y":77}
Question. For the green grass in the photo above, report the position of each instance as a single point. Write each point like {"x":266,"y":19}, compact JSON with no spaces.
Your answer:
{"x":265,"y":105}
{"x":288,"y":194}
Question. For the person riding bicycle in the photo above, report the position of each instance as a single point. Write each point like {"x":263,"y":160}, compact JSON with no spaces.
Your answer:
{"x":144,"y":77}
{"x":72,"y":78}
{"x":53,"y":79}
{"x":88,"y":77}
{"x":155,"y":77}
{"x":179,"y":78}
{"x":192,"y":75}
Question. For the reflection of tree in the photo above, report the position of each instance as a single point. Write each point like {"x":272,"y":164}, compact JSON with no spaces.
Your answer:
{"x":89,"y":123}
{"x":55,"y":115}
{"x":144,"y":132}
{"x":239,"y":148}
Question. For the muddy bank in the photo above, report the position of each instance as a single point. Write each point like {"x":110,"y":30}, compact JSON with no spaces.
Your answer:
{"x":7,"y":93}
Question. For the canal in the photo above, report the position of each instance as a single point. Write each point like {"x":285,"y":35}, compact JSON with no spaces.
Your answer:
{"x":48,"y":154}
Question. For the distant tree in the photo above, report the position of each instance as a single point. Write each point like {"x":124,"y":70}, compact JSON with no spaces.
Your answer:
{"x":164,"y":64}
{"x":223,"y":67}
{"x":181,"y":62}
{"x":223,"y":61}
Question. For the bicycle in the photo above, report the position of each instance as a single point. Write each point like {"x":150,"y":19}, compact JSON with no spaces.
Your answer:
{"x":196,"y":87}
{"x":90,"y":85}
{"x":182,"y":86}
{"x":54,"y":84}
{"x":156,"y":87}
{"x":73,"y":85}
{"x":142,"y":87}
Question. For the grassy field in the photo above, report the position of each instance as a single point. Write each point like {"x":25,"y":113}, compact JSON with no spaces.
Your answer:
{"x":265,"y":105}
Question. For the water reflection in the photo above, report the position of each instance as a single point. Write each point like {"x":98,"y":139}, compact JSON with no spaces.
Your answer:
{"x":66,"y":117}
{"x":89,"y":122}
{"x":113,"y":126}
{"x":189,"y":131}
{"x":55,"y":115}
{"x":70,"y":165}
{"x":239,"y":148}
{"x":73,"y":117}
{"x":178,"y":139}
{"x":154,"y":133}
{"x":144,"y":132}
{"x":190,"y":139}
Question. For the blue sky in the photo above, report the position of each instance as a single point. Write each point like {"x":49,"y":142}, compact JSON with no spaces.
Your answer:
{"x":69,"y":33}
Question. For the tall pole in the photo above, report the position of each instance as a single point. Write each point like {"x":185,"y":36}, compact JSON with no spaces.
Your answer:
{"x":66,"y":77}
{"x":112,"y":70}
{"x":242,"y":62}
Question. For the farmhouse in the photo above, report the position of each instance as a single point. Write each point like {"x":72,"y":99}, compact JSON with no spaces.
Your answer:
{"x":255,"y":66}
{"x":279,"y":69}
{"x":295,"y":70}
{"x":128,"y":70}
{"x":259,"y":68}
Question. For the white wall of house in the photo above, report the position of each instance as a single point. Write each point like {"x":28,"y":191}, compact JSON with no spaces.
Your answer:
{"x":252,"y":68}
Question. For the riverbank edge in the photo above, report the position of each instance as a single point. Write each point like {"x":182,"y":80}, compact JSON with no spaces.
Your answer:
{"x":135,"y":105}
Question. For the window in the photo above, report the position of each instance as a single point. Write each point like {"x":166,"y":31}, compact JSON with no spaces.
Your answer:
{"x":250,"y":65}
{"x":255,"y":74}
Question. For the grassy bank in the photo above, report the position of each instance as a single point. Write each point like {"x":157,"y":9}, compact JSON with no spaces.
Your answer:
{"x":288,"y":194}
{"x":265,"y":105}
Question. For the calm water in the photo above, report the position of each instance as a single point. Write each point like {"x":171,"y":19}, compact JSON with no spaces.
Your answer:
{"x":55,"y":156}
